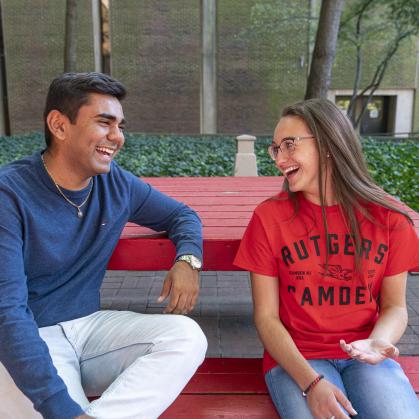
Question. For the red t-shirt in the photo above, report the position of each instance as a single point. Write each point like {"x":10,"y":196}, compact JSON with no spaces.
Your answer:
{"x":320,"y":305}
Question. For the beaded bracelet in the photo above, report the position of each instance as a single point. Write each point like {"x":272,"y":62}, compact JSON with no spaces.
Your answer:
{"x":312,"y":384}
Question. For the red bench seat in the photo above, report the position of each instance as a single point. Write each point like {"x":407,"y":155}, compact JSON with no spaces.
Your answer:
{"x":235,"y":388}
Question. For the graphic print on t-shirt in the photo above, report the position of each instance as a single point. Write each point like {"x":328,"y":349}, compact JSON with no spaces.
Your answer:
{"x":337,"y":272}
{"x":332,"y":283}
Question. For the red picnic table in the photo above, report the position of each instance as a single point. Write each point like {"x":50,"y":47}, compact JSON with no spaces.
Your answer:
{"x":225,"y":205}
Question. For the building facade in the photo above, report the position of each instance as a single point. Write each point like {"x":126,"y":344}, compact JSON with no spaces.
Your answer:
{"x":196,"y":66}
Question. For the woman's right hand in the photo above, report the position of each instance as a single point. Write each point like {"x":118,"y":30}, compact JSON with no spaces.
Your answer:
{"x":324,"y":400}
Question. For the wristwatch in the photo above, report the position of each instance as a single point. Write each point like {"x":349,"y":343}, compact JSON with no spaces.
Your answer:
{"x":192,"y":260}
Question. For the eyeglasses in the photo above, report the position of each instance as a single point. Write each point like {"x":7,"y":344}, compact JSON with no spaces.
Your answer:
{"x":287,"y":146}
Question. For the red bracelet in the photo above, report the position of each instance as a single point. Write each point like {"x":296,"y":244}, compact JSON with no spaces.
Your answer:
{"x":312,"y":384}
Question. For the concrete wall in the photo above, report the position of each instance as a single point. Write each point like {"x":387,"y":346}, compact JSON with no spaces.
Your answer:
{"x":33,"y":42}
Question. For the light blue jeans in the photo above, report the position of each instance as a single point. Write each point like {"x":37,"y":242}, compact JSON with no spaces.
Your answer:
{"x":376,"y":391}
{"x":137,"y":364}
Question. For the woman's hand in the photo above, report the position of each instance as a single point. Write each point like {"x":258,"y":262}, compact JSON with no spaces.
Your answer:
{"x":371,"y":351}
{"x":324,"y":401}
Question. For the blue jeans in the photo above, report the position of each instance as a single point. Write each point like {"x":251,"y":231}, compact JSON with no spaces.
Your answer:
{"x":376,"y":391}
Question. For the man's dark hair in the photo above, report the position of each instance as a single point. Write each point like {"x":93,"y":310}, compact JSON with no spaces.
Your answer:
{"x":70,"y":91}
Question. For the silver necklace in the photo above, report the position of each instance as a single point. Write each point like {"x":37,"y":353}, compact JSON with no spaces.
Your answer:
{"x":79,"y":211}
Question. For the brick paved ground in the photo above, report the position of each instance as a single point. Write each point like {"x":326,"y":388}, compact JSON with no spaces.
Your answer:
{"x":224,"y":308}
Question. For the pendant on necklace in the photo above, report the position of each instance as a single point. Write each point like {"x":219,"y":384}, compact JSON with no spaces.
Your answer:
{"x":79,"y":213}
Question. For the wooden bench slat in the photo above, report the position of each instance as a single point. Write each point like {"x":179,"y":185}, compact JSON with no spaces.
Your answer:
{"x":244,"y":181}
{"x":207,"y":221}
{"x":231,"y":366}
{"x":221,"y":200}
{"x":223,"y":208}
{"x":244,"y":375}
{"x":410,"y":364}
{"x":207,"y":215}
{"x":214,"y":192}
{"x":211,"y":232}
{"x":219,"y":406}
{"x":158,"y":255}
{"x":226,"y":383}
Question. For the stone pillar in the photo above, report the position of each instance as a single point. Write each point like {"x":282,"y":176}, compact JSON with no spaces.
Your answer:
{"x":4,"y":113}
{"x":3,"y":103}
{"x":97,"y":35}
{"x":245,"y":157}
{"x":209,"y":68}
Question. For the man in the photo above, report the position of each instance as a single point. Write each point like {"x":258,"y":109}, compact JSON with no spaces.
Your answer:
{"x":61,"y":214}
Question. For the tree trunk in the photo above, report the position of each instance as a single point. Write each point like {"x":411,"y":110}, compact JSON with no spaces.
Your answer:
{"x":324,"y":49}
{"x":70,"y":44}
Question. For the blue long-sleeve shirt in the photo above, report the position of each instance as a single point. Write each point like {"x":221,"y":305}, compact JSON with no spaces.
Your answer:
{"x":52,"y":263}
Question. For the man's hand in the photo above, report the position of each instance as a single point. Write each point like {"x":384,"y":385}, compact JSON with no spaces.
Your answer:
{"x":371,"y":351}
{"x":182,"y":283}
{"x":84,"y":417}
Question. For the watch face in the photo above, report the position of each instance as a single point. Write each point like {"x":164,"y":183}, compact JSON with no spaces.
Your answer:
{"x":196,"y":263}
{"x":192,"y":260}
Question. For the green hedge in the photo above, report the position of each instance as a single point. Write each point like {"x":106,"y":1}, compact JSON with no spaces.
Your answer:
{"x":393,"y":164}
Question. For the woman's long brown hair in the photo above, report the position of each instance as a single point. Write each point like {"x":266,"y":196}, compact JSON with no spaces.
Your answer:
{"x":352,"y":184}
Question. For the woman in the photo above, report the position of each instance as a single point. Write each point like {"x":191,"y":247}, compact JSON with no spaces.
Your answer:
{"x":328,"y":259}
